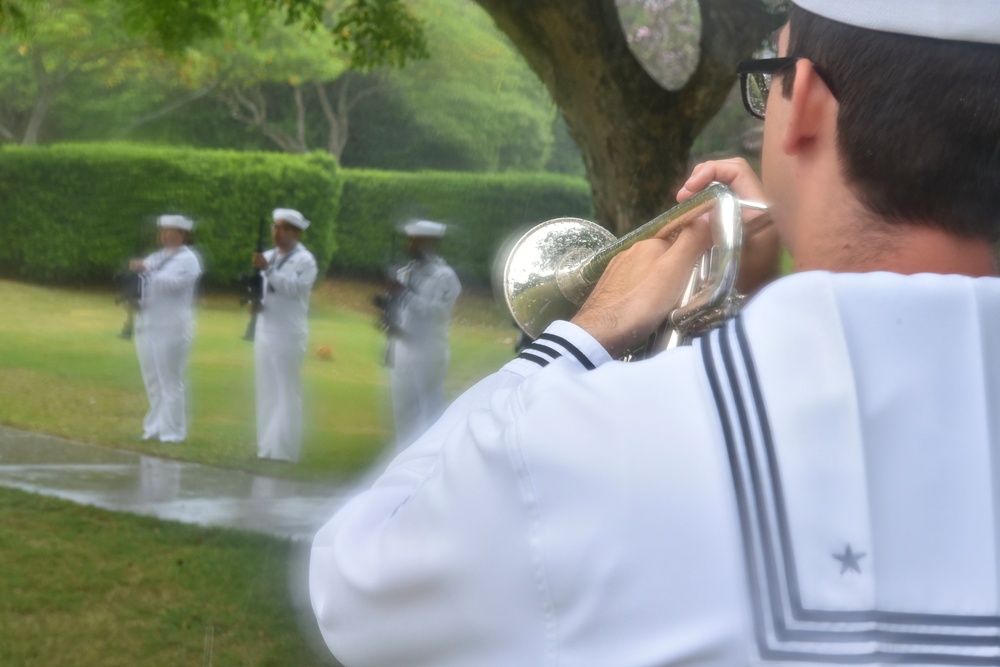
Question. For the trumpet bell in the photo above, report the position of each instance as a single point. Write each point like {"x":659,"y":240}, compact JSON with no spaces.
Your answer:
{"x":534,"y":284}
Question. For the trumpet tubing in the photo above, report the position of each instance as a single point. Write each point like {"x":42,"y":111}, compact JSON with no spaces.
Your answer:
{"x":551,"y":270}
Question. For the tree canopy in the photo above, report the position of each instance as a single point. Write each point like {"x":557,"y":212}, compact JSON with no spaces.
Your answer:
{"x":278,"y":85}
{"x":635,"y":132}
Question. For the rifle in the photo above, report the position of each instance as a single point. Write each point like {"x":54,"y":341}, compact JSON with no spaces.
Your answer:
{"x":253,"y":285}
{"x":130,"y":287}
{"x":387,"y":302}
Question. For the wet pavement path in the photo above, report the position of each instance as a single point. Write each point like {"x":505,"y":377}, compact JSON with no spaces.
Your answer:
{"x":126,"y":481}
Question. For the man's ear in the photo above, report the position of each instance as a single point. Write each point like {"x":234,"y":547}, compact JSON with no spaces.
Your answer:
{"x":809,"y":110}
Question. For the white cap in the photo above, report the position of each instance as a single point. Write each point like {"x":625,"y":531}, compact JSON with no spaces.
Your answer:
{"x":424,"y":228}
{"x":291,"y":216}
{"x":175,"y":222}
{"x":960,"y":20}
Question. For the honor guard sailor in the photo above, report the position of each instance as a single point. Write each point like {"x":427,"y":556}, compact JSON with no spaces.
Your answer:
{"x":164,"y":326}
{"x":815,"y":482}
{"x":281,"y":335}
{"x":424,"y":294}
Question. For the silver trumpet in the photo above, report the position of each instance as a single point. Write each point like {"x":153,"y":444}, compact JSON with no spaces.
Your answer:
{"x":550,"y":270}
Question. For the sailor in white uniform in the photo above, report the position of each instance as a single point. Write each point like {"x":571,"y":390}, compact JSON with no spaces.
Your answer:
{"x":281,"y":335}
{"x":164,"y":327}
{"x":814,"y":483}
{"x":426,"y":291}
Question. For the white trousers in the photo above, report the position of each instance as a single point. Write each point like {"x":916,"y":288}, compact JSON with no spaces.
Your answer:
{"x":417,"y":378}
{"x":163,"y":360}
{"x":278,"y":362}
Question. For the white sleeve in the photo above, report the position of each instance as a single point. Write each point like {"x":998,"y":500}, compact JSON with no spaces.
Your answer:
{"x":421,"y":568}
{"x":295,"y":279}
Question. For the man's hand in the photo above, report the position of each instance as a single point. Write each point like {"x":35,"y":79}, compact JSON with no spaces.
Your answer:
{"x":761,"y":256}
{"x":136,"y":265}
{"x":643,"y":284}
{"x":640,"y":287}
{"x":259,"y":261}
{"x":734,"y":172}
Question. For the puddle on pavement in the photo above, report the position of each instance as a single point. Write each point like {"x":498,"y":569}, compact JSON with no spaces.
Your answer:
{"x":172,"y":490}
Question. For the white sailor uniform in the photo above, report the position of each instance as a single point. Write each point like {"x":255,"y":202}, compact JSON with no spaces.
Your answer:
{"x":419,"y":351}
{"x":279,"y":345}
{"x":815,"y":483}
{"x":164,"y":329}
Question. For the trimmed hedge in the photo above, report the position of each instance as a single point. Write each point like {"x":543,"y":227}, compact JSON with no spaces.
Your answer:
{"x":482,"y":211}
{"x":73,"y":213}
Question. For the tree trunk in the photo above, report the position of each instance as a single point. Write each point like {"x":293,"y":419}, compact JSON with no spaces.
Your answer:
{"x":250,"y":107}
{"x":335,"y":113}
{"x":300,"y":118}
{"x":169,"y":108}
{"x":338,"y":111}
{"x":635,"y":136}
{"x":46,"y":93}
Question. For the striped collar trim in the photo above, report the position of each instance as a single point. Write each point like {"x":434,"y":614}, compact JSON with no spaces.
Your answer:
{"x":564,"y":340}
{"x":785,"y":628}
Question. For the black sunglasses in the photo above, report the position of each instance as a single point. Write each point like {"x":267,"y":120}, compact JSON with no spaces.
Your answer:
{"x":755,"y":80}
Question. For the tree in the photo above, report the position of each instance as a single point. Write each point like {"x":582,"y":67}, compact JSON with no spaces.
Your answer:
{"x":270,"y":71}
{"x":474,"y":105}
{"x":476,"y":92}
{"x":263,"y":59}
{"x":635,"y":135}
{"x":367,"y":35}
{"x":175,"y":24}
{"x":60,"y":43}
{"x":263,"y":77}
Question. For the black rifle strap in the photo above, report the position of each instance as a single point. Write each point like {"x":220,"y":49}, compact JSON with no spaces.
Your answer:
{"x":270,"y":288}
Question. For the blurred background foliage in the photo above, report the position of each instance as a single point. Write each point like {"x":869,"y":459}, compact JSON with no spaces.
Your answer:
{"x":77,"y":70}
{"x":447,"y":90}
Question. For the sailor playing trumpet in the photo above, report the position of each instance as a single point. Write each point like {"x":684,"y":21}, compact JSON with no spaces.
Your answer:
{"x":813,"y":482}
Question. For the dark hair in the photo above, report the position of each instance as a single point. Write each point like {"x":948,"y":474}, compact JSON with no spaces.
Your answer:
{"x":919,"y":122}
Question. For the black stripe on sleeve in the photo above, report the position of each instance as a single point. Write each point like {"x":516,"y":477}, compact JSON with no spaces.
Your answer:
{"x":580,"y":356}
{"x":535,"y":358}
{"x":544,"y":349}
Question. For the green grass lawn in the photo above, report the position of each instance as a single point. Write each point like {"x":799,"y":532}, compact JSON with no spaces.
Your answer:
{"x":83,"y":586}
{"x":64,"y":371}
{"x":86,"y":587}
